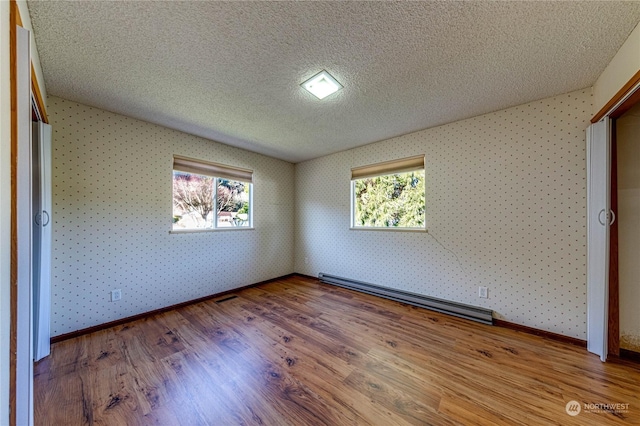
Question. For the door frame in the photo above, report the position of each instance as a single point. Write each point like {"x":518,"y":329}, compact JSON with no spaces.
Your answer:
{"x":37,"y":104}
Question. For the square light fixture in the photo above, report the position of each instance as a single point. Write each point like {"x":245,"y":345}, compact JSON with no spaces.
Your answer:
{"x":322,"y":85}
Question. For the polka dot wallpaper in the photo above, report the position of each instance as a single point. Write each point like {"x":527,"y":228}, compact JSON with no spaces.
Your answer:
{"x":112,"y":212}
{"x":506,"y":202}
{"x":505,"y":209}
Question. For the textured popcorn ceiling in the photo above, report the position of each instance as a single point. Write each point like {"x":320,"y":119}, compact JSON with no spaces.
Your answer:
{"x":230,"y":71}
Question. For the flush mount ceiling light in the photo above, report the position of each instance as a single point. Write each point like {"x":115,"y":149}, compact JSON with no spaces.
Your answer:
{"x":322,"y":85}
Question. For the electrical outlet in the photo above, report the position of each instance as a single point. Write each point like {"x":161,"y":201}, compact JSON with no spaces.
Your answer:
{"x":306,"y":260}
{"x":116,"y":295}
{"x":483,"y":292}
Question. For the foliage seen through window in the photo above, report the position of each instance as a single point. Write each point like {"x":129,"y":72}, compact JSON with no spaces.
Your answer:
{"x":394,"y":200}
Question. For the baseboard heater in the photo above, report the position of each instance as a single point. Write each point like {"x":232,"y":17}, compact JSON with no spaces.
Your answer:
{"x":461,"y":310}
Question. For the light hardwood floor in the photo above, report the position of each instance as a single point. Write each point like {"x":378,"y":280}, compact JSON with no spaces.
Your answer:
{"x":298,"y":352}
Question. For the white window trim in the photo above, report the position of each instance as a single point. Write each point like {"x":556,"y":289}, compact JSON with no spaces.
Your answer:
{"x":202,"y":230}
{"x":387,"y":229}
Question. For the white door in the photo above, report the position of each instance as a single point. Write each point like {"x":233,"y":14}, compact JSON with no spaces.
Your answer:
{"x":24,"y":331}
{"x":41,"y":143}
{"x":599,"y":218}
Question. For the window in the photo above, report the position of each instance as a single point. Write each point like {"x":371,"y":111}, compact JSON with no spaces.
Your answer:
{"x":389,"y":195}
{"x":208,"y":196}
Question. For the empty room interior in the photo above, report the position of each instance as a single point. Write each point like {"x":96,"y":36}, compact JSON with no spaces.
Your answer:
{"x":307,"y":213}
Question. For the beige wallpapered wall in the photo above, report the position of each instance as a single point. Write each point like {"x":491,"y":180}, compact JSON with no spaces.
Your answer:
{"x":112,"y":212}
{"x":506,"y":203}
{"x":505,"y":209}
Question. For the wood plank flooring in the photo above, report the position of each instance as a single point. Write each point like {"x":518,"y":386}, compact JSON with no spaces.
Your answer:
{"x":298,"y":352}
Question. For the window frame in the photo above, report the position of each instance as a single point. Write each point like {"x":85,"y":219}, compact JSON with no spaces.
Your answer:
{"x":214,"y":170}
{"x":402,"y":165}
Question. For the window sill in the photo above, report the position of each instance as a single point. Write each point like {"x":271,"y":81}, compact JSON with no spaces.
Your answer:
{"x":390,"y":228}
{"x":197,"y":231}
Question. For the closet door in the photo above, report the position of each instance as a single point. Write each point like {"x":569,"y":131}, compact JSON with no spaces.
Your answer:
{"x":599,"y":218}
{"x":41,"y":136}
